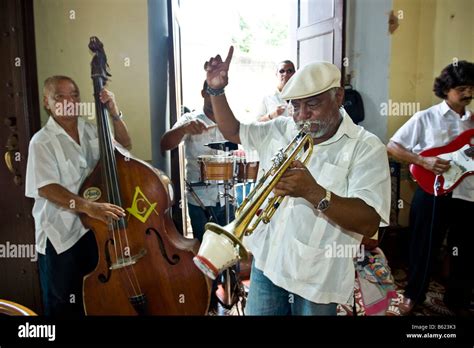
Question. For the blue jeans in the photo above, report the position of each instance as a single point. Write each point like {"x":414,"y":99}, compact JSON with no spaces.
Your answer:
{"x":199,"y":219}
{"x":265,"y":298}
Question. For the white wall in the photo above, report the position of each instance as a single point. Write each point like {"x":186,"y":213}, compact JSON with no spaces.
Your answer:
{"x":368,"y":50}
{"x":63,"y":29}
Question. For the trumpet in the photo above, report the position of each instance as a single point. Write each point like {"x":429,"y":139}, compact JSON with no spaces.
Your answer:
{"x":222,"y":246}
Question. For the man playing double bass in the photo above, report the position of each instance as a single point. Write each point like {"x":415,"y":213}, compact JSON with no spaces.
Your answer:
{"x":61,"y":156}
{"x":341,"y":195}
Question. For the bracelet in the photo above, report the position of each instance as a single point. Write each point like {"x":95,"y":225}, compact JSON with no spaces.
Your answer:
{"x":215,"y":92}
{"x":270,"y":116}
{"x":117,"y":117}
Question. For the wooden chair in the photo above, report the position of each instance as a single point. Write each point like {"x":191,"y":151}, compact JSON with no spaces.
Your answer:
{"x":12,"y":308}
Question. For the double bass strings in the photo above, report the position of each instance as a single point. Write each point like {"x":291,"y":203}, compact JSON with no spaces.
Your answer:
{"x":113,"y":194}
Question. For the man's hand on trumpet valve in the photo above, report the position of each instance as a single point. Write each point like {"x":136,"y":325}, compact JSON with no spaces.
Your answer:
{"x":297,"y":181}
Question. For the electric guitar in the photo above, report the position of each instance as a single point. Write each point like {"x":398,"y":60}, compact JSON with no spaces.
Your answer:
{"x":460,"y":153}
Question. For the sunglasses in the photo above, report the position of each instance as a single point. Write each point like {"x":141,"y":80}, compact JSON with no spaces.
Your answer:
{"x":288,"y":71}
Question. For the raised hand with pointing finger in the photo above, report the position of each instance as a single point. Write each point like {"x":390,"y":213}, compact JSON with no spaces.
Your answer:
{"x":218,"y":70}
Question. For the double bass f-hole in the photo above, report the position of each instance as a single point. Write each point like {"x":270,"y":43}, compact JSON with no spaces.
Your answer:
{"x":175,"y":257}
{"x":105,"y":278}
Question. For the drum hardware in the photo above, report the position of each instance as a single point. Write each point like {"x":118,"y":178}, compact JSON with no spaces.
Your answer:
{"x":223,"y":146}
{"x":210,"y":216}
{"x":198,"y":184}
{"x":233,"y":288}
{"x":221,"y":170}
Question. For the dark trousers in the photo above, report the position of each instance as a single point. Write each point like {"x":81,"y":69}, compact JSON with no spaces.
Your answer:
{"x":61,"y":276}
{"x":427,"y":234}
{"x":199,"y":218}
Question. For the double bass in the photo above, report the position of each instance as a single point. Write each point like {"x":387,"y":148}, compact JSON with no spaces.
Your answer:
{"x":145,"y":266}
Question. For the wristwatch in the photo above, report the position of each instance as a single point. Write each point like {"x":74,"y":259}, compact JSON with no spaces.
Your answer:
{"x":324,"y":203}
{"x":215,"y":91}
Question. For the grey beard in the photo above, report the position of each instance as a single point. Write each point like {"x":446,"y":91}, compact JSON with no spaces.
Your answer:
{"x":322,"y":128}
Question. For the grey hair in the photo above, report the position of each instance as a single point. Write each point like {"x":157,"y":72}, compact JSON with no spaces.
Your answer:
{"x":51,"y":82}
{"x":333,"y":92}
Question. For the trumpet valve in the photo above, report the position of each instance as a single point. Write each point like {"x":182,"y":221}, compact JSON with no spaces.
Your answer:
{"x":278,"y":158}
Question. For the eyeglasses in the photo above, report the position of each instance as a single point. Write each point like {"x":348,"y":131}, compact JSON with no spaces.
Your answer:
{"x":288,"y":71}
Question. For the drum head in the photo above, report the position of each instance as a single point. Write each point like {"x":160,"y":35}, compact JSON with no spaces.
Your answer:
{"x":216,"y":159}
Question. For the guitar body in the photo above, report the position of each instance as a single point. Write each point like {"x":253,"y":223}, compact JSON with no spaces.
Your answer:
{"x":459,"y":153}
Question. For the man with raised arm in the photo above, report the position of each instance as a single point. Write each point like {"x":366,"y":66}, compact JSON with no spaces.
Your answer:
{"x":341,"y":195}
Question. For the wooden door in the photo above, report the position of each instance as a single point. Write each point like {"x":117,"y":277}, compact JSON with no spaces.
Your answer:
{"x":19,"y":120}
{"x":318,"y":31}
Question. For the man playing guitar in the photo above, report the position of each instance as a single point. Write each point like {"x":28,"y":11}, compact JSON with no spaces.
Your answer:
{"x":430,"y":216}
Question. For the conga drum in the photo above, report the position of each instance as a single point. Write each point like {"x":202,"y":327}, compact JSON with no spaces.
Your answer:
{"x":246,"y":171}
{"x":216,"y":169}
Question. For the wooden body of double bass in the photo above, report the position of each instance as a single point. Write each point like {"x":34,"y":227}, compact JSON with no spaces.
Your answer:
{"x":164,"y":270}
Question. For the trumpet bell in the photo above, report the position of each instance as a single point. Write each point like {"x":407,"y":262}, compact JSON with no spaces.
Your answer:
{"x":219,"y":250}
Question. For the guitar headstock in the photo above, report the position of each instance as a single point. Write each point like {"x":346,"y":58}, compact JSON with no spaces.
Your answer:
{"x":99,"y":65}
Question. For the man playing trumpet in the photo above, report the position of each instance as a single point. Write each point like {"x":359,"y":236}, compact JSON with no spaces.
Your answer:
{"x":341,"y":195}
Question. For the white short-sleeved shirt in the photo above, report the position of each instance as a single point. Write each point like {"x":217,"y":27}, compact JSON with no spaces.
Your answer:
{"x":436,"y":127}
{"x":55,"y":158}
{"x":194,"y":146}
{"x":270,"y":103}
{"x":292,"y":249}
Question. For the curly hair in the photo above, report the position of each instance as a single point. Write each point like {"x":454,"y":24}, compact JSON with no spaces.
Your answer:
{"x":454,"y":75}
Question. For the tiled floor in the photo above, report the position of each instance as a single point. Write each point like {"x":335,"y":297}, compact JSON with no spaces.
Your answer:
{"x":433,"y":305}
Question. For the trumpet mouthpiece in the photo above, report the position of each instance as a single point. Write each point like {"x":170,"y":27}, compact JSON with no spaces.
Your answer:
{"x":304,"y":126}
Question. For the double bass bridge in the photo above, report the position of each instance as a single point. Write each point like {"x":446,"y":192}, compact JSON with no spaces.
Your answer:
{"x":127,"y":261}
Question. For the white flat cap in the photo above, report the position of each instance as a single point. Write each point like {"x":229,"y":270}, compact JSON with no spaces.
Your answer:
{"x":314,"y":78}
